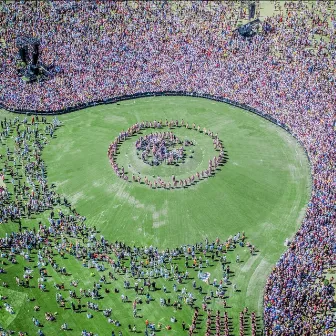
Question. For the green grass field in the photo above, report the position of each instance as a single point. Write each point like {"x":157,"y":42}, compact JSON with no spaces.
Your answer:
{"x":262,"y":190}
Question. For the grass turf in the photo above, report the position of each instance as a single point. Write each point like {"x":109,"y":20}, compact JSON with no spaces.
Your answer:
{"x":262,"y":190}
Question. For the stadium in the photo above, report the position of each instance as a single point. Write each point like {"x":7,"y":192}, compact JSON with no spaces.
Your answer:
{"x":167,"y":168}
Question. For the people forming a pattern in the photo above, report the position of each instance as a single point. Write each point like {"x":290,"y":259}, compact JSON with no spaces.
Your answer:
{"x":164,"y":146}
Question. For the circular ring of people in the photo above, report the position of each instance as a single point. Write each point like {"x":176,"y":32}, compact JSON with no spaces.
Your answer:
{"x":162,"y":146}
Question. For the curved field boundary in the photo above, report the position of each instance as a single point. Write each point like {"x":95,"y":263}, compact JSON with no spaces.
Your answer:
{"x":159,"y":93}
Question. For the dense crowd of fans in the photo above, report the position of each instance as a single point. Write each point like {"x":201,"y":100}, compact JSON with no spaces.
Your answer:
{"x":106,"y":49}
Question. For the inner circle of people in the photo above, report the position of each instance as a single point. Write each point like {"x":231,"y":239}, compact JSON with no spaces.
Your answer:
{"x":158,"y":147}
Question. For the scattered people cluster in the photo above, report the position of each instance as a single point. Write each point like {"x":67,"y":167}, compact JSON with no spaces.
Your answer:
{"x":181,"y":275}
{"x":31,"y":194}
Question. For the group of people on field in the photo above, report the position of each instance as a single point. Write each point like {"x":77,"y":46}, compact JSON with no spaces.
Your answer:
{"x":158,"y":147}
{"x":154,"y":144}
{"x":65,"y":235}
{"x":24,"y":141}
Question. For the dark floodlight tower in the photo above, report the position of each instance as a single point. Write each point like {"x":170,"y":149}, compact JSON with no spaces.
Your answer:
{"x":30,"y":70}
{"x":250,"y":5}
{"x":28,"y":46}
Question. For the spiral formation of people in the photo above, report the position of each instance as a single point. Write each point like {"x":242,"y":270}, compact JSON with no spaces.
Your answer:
{"x":164,"y":146}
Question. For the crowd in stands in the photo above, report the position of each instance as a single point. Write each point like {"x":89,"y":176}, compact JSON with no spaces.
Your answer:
{"x":106,"y":49}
